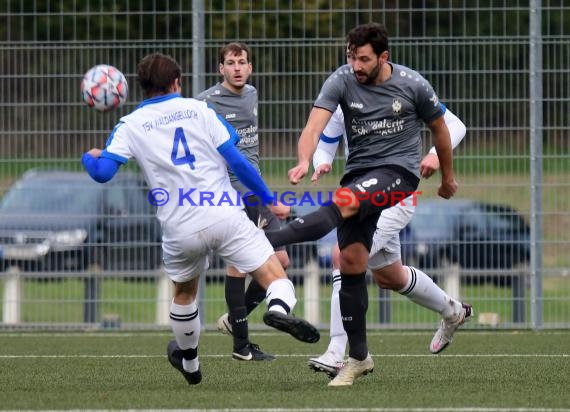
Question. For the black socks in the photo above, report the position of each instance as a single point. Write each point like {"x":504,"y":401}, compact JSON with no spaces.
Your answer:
{"x":306,"y":228}
{"x":254,"y":295}
{"x":353,"y":298}
{"x":237,"y":311}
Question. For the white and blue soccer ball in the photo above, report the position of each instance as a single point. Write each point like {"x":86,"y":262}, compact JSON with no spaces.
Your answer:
{"x":104,"y":87}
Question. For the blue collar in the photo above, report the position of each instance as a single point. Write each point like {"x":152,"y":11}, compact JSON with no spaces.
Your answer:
{"x":158,"y":99}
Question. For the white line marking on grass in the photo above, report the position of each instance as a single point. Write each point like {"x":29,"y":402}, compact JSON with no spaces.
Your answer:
{"x":460,"y":409}
{"x":211,"y":333}
{"x":400,"y":355}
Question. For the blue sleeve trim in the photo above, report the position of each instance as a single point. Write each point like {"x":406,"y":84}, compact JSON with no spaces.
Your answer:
{"x":244,"y":171}
{"x":112,"y":156}
{"x":328,"y":139}
{"x":443,"y":108}
{"x":100,"y":169}
{"x":223,"y":147}
{"x":158,"y":99}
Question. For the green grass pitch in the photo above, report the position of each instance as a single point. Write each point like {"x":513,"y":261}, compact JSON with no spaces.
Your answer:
{"x":481,"y":370}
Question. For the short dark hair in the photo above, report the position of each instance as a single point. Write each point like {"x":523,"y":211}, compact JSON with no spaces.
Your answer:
{"x":374,"y":34}
{"x":156,"y":72}
{"x":234,"y":48}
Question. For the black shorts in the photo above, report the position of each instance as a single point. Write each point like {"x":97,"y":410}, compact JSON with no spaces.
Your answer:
{"x":377,"y":189}
{"x":256,"y":210}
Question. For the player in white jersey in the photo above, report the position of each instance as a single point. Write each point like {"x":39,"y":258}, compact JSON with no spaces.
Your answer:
{"x":385,"y":254}
{"x":183,"y":147}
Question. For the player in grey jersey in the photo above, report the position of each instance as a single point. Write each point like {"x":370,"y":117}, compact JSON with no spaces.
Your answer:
{"x":384,"y":105}
{"x":385,"y":256}
{"x":236,"y":102}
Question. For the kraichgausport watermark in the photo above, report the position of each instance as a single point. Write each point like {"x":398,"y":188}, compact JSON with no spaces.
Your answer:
{"x":343,"y":196}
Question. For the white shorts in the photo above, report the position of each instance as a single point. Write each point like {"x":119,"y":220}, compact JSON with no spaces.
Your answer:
{"x":386,"y":242}
{"x":238,"y":241}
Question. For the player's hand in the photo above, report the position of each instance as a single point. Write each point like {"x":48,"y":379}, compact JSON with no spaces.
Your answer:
{"x":447,"y":188}
{"x":297,"y":173}
{"x":429,"y":165}
{"x":95,"y":152}
{"x":320,"y":170}
{"x":280,"y":210}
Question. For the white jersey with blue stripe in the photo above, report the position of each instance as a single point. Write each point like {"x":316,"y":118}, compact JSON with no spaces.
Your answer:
{"x":175,"y":141}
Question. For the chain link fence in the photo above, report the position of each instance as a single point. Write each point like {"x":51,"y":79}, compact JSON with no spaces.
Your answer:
{"x":502,"y":67}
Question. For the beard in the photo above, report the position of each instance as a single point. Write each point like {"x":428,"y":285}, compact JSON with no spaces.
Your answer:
{"x":368,"y":78}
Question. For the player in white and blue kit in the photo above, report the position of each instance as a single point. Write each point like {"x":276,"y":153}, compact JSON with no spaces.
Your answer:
{"x":385,"y":255}
{"x":182,"y":148}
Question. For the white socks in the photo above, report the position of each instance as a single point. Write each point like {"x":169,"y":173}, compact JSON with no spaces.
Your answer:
{"x":422,"y":290}
{"x":339,"y":339}
{"x":280,"y":296}
{"x":185,"y":324}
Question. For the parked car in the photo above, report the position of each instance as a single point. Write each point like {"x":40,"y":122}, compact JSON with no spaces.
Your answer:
{"x":473,"y":234}
{"x":64,"y":221}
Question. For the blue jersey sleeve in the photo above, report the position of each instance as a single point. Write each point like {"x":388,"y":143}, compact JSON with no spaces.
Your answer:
{"x":101,"y":169}
{"x":245,"y":172}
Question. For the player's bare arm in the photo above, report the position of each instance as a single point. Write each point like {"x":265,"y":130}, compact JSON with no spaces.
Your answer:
{"x":442,"y":142}
{"x":429,"y":165}
{"x":321,"y":169}
{"x":457,"y":130}
{"x":318,"y":119}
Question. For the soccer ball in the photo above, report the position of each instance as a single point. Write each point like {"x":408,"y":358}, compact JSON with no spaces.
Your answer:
{"x":104,"y":87}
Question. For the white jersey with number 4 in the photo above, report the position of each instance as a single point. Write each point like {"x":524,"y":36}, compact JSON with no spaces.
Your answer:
{"x":175,"y":141}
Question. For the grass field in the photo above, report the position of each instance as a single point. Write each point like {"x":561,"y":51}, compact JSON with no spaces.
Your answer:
{"x":482,"y":371}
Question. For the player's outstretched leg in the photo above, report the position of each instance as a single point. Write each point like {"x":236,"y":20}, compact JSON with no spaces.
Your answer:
{"x":421,"y":289}
{"x":299,"y":328}
{"x":280,"y":301}
{"x":444,"y":334}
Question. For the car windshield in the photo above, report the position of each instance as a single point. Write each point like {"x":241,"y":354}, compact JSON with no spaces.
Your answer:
{"x":506,"y":220}
{"x":433,"y":220}
{"x":44,"y":196}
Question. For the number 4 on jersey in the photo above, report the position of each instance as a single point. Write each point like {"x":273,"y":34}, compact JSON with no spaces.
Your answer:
{"x":188,"y":158}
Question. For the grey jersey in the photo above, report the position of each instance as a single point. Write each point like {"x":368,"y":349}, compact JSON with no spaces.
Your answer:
{"x":239,"y":110}
{"x":383,"y":122}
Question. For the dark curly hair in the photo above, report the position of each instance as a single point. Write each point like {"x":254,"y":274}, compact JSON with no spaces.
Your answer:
{"x":374,"y":34}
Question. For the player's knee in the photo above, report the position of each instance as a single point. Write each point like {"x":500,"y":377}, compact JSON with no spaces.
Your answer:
{"x":283,"y":258}
{"x":390,"y":277}
{"x":354,"y":258}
